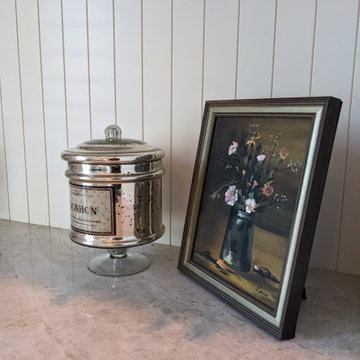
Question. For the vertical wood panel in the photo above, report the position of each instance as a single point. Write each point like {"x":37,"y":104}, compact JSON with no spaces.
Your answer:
{"x":32,"y":111}
{"x":187,"y":85}
{"x":256,"y":40}
{"x":128,"y":67}
{"x":4,"y":199}
{"x":54,"y":109}
{"x":101,"y":60}
{"x":79,"y":96}
{"x":12,"y":114}
{"x":221,"y":26}
{"x":293,"y":47}
{"x":349,"y":249}
{"x":76,"y":71}
{"x":157,"y":89}
{"x":332,"y":75}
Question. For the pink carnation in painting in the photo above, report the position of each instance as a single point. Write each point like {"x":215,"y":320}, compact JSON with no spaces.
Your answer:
{"x":250,"y":205}
{"x":233,"y":147}
{"x":231,"y":195}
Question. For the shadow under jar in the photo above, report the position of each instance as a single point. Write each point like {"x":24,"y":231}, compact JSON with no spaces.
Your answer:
{"x":115,"y":199}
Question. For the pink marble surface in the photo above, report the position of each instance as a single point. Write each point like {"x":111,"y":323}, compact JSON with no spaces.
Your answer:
{"x":52,"y":307}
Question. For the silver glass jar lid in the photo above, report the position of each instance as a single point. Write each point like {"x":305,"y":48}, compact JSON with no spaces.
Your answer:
{"x":113,"y":157}
{"x":113,"y":149}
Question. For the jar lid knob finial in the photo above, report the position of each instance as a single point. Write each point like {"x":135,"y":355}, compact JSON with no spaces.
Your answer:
{"x":113,"y":132}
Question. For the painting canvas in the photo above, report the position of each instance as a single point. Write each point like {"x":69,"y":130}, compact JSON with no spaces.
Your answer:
{"x":251,"y":188}
{"x":250,"y":192}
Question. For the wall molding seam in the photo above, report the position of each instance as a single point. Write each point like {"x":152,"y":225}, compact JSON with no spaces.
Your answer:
{"x":313,"y":47}
{"x":203,"y":61}
{"x":43,"y":114}
{"x":237,"y":50}
{"x":274,"y":50}
{"x":64,"y":72}
{"x":142,"y":67}
{"x":22,"y":111}
{"x":88,"y":65}
{"x":114,"y":55}
{"x":348,"y":133}
{"x":5,"y":157}
{"x":171,"y":113}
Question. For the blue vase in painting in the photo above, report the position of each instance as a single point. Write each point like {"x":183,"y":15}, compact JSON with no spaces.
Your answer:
{"x":237,"y":247}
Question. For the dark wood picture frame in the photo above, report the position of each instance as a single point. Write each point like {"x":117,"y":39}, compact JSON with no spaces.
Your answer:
{"x":235,"y":141}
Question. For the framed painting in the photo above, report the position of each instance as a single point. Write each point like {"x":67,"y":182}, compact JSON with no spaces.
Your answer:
{"x":255,"y":197}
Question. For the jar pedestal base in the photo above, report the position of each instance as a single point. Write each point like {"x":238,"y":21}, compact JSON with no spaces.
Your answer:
{"x":118,"y":263}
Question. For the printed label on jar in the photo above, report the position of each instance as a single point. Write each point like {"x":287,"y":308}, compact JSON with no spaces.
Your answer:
{"x":92,"y":209}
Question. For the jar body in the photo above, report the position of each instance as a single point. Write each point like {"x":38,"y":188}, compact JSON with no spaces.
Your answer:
{"x":115,"y":191}
{"x":116,"y":214}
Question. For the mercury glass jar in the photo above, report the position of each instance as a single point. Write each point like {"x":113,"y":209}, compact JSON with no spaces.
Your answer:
{"x":115,"y":199}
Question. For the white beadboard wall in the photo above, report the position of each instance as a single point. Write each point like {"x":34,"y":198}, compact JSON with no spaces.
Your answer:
{"x":68,"y":68}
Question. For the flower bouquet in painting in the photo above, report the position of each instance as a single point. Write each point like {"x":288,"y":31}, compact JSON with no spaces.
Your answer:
{"x":248,"y":186}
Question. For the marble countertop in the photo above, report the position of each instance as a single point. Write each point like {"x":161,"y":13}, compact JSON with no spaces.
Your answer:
{"x":52,"y":307}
